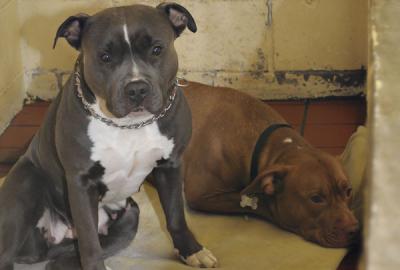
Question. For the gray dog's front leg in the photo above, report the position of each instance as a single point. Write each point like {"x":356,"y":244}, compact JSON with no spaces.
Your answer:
{"x":83,"y":201}
{"x":169,"y":187}
{"x":168,"y":182}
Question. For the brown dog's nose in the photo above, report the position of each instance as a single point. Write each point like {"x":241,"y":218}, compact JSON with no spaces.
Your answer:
{"x":137,"y":91}
{"x":347,"y":223}
{"x":353,"y":228}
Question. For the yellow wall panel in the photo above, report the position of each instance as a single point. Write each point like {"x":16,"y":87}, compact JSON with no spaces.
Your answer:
{"x":10,"y":61}
{"x":320,"y":34}
{"x":11,"y":90}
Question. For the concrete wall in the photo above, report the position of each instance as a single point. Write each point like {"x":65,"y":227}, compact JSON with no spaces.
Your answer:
{"x":269,"y":48}
{"x":11,"y":90}
{"x":382,"y":237}
{"x":272,"y":49}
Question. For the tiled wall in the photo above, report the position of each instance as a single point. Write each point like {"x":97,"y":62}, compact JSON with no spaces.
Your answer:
{"x":328,"y":124}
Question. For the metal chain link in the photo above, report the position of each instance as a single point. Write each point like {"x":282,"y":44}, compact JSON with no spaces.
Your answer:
{"x":109,"y":122}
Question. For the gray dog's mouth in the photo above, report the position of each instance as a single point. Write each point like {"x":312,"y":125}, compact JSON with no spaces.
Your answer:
{"x":140,"y":112}
{"x":135,"y":115}
{"x":138,"y":109}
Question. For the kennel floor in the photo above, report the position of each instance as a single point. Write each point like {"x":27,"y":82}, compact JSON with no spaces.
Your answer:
{"x":327,"y":124}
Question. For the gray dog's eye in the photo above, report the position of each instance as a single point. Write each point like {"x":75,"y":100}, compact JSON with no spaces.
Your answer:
{"x":157,"y":50}
{"x":105,"y":57}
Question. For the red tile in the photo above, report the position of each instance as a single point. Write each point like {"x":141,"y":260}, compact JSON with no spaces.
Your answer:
{"x":291,"y":111}
{"x":337,"y":112}
{"x":30,"y":116}
{"x":17,"y":137}
{"x":329,"y":135}
{"x":9,"y":155}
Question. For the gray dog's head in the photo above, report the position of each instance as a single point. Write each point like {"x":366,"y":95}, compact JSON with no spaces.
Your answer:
{"x":129,"y":59}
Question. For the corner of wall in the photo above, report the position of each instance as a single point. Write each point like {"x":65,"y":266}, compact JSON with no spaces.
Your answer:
{"x":12,"y":93}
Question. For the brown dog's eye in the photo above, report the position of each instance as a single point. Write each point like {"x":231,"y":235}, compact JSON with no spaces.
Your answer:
{"x":317,"y":199}
{"x":349,"y":191}
{"x":105,"y":57}
{"x":157,"y":50}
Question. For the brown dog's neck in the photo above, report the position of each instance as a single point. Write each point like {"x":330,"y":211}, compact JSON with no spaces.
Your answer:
{"x":282,"y":145}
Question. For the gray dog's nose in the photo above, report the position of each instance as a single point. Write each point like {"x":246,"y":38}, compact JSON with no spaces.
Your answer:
{"x":137,"y":91}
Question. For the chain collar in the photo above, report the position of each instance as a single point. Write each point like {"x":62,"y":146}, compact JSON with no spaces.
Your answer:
{"x":108,"y":121}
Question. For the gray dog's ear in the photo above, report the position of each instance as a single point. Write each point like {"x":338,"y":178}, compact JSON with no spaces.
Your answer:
{"x":71,"y":29}
{"x":269,"y":181}
{"x":179,"y":17}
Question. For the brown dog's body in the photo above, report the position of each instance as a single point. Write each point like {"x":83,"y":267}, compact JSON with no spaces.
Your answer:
{"x":297,"y":186}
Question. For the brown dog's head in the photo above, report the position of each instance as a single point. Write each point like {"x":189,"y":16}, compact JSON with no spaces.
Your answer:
{"x":309,"y":193}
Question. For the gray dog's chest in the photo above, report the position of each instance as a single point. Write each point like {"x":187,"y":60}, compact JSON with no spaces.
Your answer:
{"x":128,"y":156}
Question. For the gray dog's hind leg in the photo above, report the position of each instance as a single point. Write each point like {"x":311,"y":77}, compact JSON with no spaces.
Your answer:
{"x":120,"y":235}
{"x":34,"y":249}
{"x":66,"y":262}
{"x":121,"y":232}
{"x":21,"y":205}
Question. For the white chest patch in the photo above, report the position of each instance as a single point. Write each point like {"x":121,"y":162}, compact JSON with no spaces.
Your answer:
{"x":128,"y":156}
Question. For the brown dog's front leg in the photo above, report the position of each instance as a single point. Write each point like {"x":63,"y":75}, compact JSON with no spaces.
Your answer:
{"x":83,"y":201}
{"x":223,"y":203}
{"x":229,"y":203}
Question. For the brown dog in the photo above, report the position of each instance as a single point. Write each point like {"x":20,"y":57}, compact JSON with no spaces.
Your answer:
{"x":296,"y":186}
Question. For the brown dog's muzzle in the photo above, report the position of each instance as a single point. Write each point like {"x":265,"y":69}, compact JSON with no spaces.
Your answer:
{"x":342,"y":234}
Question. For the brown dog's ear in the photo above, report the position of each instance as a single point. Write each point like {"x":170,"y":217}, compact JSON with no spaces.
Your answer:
{"x":269,"y":181}
{"x":179,"y":17}
{"x":71,"y":29}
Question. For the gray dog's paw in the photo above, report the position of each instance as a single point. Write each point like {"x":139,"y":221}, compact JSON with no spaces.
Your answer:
{"x":203,"y":258}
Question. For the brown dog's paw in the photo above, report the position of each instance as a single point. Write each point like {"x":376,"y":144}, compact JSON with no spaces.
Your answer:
{"x":202,"y":259}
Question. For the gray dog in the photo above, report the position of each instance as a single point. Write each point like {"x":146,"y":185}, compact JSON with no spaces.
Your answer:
{"x":120,"y":117}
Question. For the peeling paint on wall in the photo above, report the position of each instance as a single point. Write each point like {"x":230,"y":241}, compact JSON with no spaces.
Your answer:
{"x":240,"y":43}
{"x":292,"y":84}
{"x":339,"y":78}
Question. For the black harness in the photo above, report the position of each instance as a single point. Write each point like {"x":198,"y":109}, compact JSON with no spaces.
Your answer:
{"x":262,"y":140}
